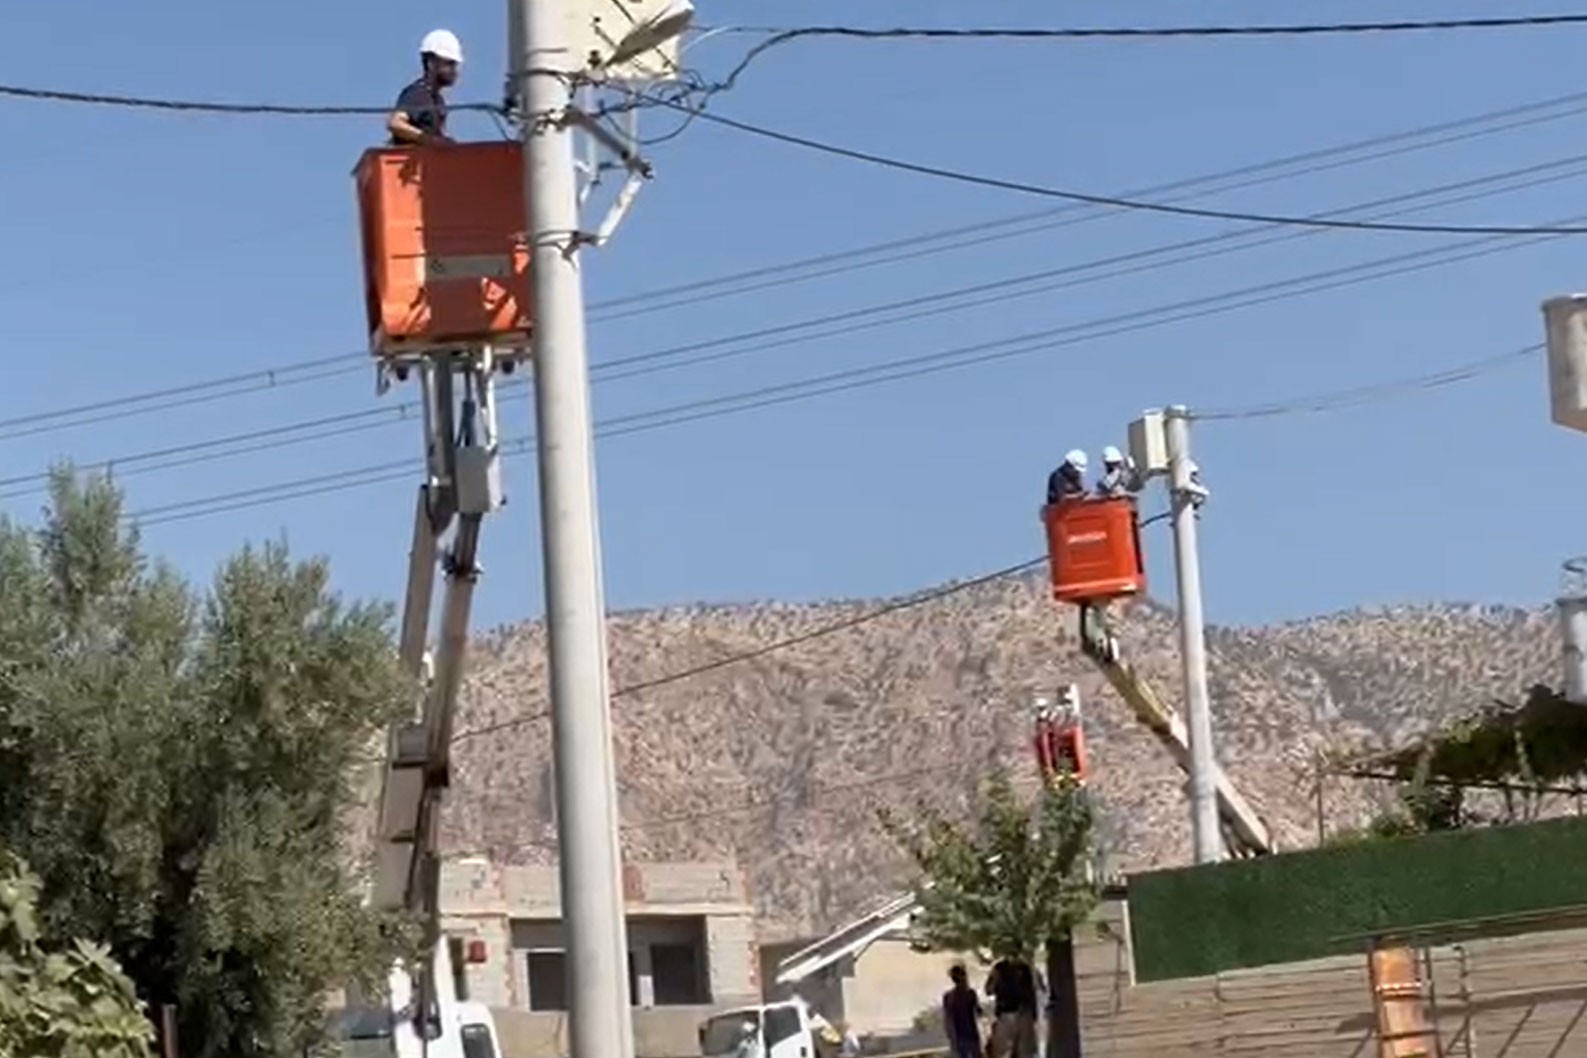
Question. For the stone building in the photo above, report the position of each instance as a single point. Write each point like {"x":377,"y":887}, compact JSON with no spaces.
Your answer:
{"x":691,"y":950}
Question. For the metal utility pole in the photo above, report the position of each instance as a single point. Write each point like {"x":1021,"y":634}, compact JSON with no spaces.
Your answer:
{"x":1184,"y":492}
{"x":599,"y":1024}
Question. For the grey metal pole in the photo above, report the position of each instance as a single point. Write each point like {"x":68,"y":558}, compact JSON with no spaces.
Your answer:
{"x":599,"y":1023}
{"x":1192,"y":640}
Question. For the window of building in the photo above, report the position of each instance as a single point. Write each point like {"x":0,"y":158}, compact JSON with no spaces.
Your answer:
{"x":548,"y":983}
{"x":678,"y":975}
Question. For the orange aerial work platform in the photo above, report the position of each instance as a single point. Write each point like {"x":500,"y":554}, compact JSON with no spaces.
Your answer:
{"x":1094,"y":548}
{"x":446,"y":255}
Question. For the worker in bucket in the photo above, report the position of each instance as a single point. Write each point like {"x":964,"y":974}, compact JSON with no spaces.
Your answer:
{"x":1069,"y":479}
{"x":419,"y":118}
{"x":1118,"y":474}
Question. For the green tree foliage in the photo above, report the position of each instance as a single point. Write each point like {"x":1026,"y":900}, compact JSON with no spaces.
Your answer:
{"x":1541,"y":739}
{"x":999,"y":886}
{"x":1517,"y":748}
{"x":69,"y":1004}
{"x":177,"y":768}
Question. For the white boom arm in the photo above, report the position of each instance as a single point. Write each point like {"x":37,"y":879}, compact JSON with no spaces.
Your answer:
{"x":463,"y":485}
{"x":1244,"y":833}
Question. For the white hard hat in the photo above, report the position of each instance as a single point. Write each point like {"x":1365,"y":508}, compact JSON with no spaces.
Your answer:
{"x":443,"y":44}
{"x":1076,"y":459}
{"x":1112,"y":455}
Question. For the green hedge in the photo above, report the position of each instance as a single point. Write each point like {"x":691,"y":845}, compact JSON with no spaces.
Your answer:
{"x":1202,"y":920}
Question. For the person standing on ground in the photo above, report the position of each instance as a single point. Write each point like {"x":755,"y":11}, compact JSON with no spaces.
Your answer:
{"x":1012,"y":986}
{"x":961,"y":1016}
{"x":419,"y":118}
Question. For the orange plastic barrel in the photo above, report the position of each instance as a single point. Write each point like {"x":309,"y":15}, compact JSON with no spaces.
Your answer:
{"x":1094,"y":548}
{"x":1405,"y":1019}
{"x":446,"y":258}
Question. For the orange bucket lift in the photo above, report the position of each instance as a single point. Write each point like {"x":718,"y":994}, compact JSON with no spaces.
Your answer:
{"x":1094,"y":548}
{"x":1060,"y":740}
{"x":446,"y":255}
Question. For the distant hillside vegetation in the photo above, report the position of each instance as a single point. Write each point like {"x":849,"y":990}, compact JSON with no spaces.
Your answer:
{"x":782,"y":760}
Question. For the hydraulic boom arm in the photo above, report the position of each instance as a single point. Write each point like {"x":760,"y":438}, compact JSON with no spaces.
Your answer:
{"x":1244,"y":833}
{"x":463,"y":485}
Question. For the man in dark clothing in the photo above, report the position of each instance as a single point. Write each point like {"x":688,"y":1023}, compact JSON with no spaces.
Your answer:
{"x":420,"y":114}
{"x":1069,"y":479}
{"x":1012,"y":987}
{"x":961,"y":1014}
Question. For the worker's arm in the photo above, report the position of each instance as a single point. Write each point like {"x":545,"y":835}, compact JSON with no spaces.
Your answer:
{"x":404,"y":131}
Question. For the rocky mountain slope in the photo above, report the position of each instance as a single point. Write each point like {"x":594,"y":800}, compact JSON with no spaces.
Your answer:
{"x":782,"y":760}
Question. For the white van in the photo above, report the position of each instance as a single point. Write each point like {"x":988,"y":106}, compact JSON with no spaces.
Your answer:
{"x":776,"y":1030}
{"x":455,"y":1028}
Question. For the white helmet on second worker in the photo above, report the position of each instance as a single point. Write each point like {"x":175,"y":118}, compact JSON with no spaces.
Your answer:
{"x":1076,"y":458}
{"x":1112,"y":456}
{"x":443,"y":44}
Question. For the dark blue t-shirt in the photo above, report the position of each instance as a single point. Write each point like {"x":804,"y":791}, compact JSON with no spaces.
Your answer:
{"x":960,"y":1008}
{"x":424,"y":107}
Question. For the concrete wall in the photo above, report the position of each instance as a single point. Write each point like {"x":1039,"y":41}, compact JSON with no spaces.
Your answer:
{"x":472,"y":887}
{"x":879,"y":993}
{"x":892,"y":984}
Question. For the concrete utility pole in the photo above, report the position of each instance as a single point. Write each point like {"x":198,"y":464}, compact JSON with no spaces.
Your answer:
{"x":599,"y":1024}
{"x":1184,"y":492}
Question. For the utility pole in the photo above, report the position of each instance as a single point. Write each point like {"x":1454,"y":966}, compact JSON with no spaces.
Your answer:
{"x":1184,"y":494}
{"x":599,"y":1022}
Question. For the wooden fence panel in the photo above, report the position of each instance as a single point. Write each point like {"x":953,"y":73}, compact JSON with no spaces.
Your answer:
{"x":1516,"y":997}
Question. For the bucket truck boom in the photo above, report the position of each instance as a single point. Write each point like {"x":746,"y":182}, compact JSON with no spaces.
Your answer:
{"x":462,"y":486}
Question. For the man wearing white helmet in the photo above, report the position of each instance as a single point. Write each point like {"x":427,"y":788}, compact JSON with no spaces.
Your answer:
{"x":1118,"y":474}
{"x":1069,"y":479}
{"x":420,"y":115}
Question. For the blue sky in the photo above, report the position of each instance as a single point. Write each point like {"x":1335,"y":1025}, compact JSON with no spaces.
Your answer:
{"x":152,"y":249}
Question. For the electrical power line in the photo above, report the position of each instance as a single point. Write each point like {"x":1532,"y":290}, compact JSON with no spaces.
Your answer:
{"x":783,"y":36}
{"x":1358,"y":395}
{"x":172,"y":457}
{"x":1044,"y":281}
{"x":199,"y":106}
{"x":829,"y":629}
{"x":263,"y":378}
{"x":882,"y":253}
{"x":1085,"y":32}
{"x":1018,"y":225}
{"x":1116,"y":202}
{"x":913,"y":366}
{"x":845,"y":381}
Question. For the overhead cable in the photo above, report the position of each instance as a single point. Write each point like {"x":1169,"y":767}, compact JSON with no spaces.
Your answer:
{"x":982,"y":233}
{"x":1358,"y":395}
{"x":776,"y":646}
{"x":1139,"y":205}
{"x":885,"y":314}
{"x":780,"y":36}
{"x":896,"y":250}
{"x":913,"y":366}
